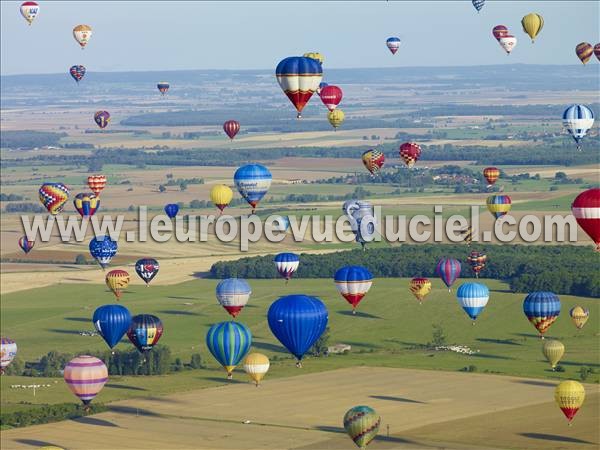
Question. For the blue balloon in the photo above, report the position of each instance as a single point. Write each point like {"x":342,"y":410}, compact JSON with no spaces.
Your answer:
{"x":287,"y":264}
{"x":252,"y":181}
{"x":297,"y":321}
{"x":112,"y":322}
{"x":229,"y":342}
{"x":103,"y":248}
{"x":542,"y":309}
{"x":171,"y":209}
{"x":478,"y":4}
{"x":473,"y":297}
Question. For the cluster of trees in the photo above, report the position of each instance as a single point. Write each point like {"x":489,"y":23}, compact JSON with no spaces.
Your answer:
{"x":10,"y":197}
{"x":36,"y":415}
{"x":23,"y":207}
{"x":525,"y":268}
{"x":28,"y":139}
{"x":461,"y":109}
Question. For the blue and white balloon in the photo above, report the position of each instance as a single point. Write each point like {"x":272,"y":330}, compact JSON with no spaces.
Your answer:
{"x":253,"y":182}
{"x":473,"y":297}
{"x":578,"y":119}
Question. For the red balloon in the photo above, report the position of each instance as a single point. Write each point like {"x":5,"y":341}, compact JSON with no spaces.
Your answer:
{"x":586,"y":209}
{"x":231,"y":128}
{"x":500,"y":31}
{"x":410,"y":153}
{"x":331,"y":96}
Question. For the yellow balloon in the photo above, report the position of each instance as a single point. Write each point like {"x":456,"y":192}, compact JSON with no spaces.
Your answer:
{"x":569,"y":396}
{"x":579,"y":316}
{"x":532,"y":25}
{"x":553,"y":350}
{"x":315,"y":55}
{"x":117,"y":280}
{"x":420,"y":287}
{"x":336,"y":117}
{"x":256,"y":366}
{"x":221,"y":196}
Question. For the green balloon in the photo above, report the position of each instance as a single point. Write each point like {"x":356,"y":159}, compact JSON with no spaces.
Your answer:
{"x":362,"y":424}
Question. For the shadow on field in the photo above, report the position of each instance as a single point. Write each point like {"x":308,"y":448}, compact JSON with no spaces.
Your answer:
{"x":58,"y":330}
{"x":95,"y":422}
{"x":396,"y":399}
{"x":535,"y":383}
{"x":578,"y":364}
{"x":269,"y":347}
{"x":529,"y":335}
{"x":175,"y":297}
{"x":132,"y":411}
{"x":381,"y":438}
{"x":124,"y":386}
{"x":224,"y":380}
{"x":488,"y":356}
{"x":176,"y":312}
{"x":358,"y":314}
{"x":201,"y":274}
{"x":79,"y":280}
{"x":34,"y":442}
{"x":554,"y":437}
{"x":498,"y":341}
{"x":79,"y":319}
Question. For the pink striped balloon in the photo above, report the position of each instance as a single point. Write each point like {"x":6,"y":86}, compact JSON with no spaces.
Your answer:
{"x":85,"y":375}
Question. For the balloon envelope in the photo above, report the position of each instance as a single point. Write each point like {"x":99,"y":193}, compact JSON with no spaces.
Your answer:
{"x":410,"y":152}
{"x":577,"y":120}
{"x":569,"y":396}
{"x":498,"y":205}
{"x":145,"y":331}
{"x":85,"y":376}
{"x":117,"y":280}
{"x":252,"y":181}
{"x":393,"y":44}
{"x":553,"y":350}
{"x":82,"y":34}
{"x":228,"y":342}
{"x":541,"y":309}
{"x":54,"y":196}
{"x":286,"y":264}
{"x":147,"y":269}
{"x":102,"y":118}
{"x":25,"y":244}
{"x":221,"y":196}
{"x":77,"y":72}
{"x":331,"y":96}
{"x":473,"y":297}
{"x":162,"y":87}
{"x":231,"y":128}
{"x":362,"y":424}
{"x":86,"y":204}
{"x":256,"y":365}
{"x":586,"y":209}
{"x":96,"y":183}
{"x":353,"y":283}
{"x":233,"y":294}
{"x":171,"y":210}
{"x":102,"y":249}
{"x":532,"y":25}
{"x":8,"y":351}
{"x":420,"y":288}
{"x":299,"y":78}
{"x":448,"y":269}
{"x":112,"y":322}
{"x":373,"y":160}
{"x":579,"y":316}
{"x":29,"y":11}
{"x":491,"y":174}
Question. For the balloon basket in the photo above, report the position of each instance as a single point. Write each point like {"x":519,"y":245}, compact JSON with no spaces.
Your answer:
{"x":230,"y":376}
{"x":299,"y":364}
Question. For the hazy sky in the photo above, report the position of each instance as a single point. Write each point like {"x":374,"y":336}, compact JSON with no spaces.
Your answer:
{"x":154,"y":35}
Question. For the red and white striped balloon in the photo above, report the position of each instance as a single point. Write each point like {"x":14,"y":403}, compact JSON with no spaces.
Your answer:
{"x":586,"y":209}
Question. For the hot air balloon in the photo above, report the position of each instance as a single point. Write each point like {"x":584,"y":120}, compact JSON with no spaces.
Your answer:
{"x":117,"y":280}
{"x":491,"y":174}
{"x":499,"y":31}
{"x":532,"y":25}
{"x":231,"y":128}
{"x":171,"y":210}
{"x":353,"y":282}
{"x":473,"y":297}
{"x":287,"y":264}
{"x":77,"y":72}
{"x":321,"y":86}
{"x":82,"y":34}
{"x":584,"y":52}
{"x":220,"y":196}
{"x":362,"y":424}
{"x":508,"y":43}
{"x":420,"y":288}
{"x":281,"y":223}
{"x":553,"y":350}
{"x":297,"y":321}
{"x":85,"y":376}
{"x":29,"y":10}
{"x":316,"y":56}
{"x":578,"y":119}
{"x":331,"y":96}
{"x":102,"y":118}
{"x":468,"y":235}
{"x":448,"y":269}
{"x":145,"y":331}
{"x":299,"y":78}
{"x":393,"y":44}
{"x":163,"y":87}
{"x":229,"y":342}
{"x":498,"y":205}
{"x":96,"y":183}
{"x":478,"y":4}
{"x":586,"y":209}
{"x":8,"y":351}
{"x":373,"y":160}
{"x":362,"y":220}
{"x":103,"y":248}
{"x":253,"y":182}
{"x":410,"y":152}
{"x":256,"y":365}
{"x":86,"y":204}
{"x":233,"y":294}
{"x":579,"y":316}
{"x":54,"y":196}
{"x":477,"y":261}
{"x":597,"y":51}
{"x":147,"y":269}
{"x":335,"y":117}
{"x":112,"y":322}
{"x":569,"y":396}
{"x":541,"y":309}
{"x":25,"y":244}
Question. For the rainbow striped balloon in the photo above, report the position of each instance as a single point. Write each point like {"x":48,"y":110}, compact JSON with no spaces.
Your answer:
{"x":498,"y":205}
{"x":85,"y":375}
{"x":362,"y":424}
{"x":54,"y":196}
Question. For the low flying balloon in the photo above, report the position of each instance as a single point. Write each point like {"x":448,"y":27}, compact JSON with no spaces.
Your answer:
{"x":117,"y":280}
{"x":478,"y":4}
{"x":286,"y":264}
{"x":331,"y":96}
{"x":85,"y":376}
{"x":96,"y":183}
{"x":82,"y":34}
{"x":541,"y":309}
{"x":448,"y":269}
{"x":597,"y":51}
{"x":473,"y":297}
{"x":420,"y":288}
{"x":491,"y":174}
{"x":77,"y":72}
{"x":553,"y":350}
{"x":299,"y":78}
{"x":112,"y":322}
{"x":145,"y":331}
{"x":297,"y":321}
{"x":252,"y":181}
{"x":171,"y":210}
{"x":586,"y":209}
{"x":578,"y":119}
{"x":25,"y":244}
{"x":393,"y":44}
{"x":102,"y":118}
{"x":102,"y":249}
{"x":499,"y":31}
{"x":373,"y":160}
{"x":163,"y":87}
{"x":147,"y":269}
{"x":316,"y":56}
{"x":584,"y":52}
{"x":362,"y":424}
{"x":54,"y":196}
{"x":8,"y":351}
{"x":498,"y":205}
{"x":508,"y":43}
{"x":29,"y":10}
{"x":477,"y":261}
{"x":233,"y":294}
{"x":86,"y":204}
{"x":410,"y":152}
{"x":229,"y":342}
{"x":221,"y":195}
{"x":231,"y":128}
{"x":579,"y":316}
{"x":353,"y":283}
{"x":256,"y":365}
{"x":532,"y":25}
{"x":569,"y":395}
{"x":336,"y":118}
